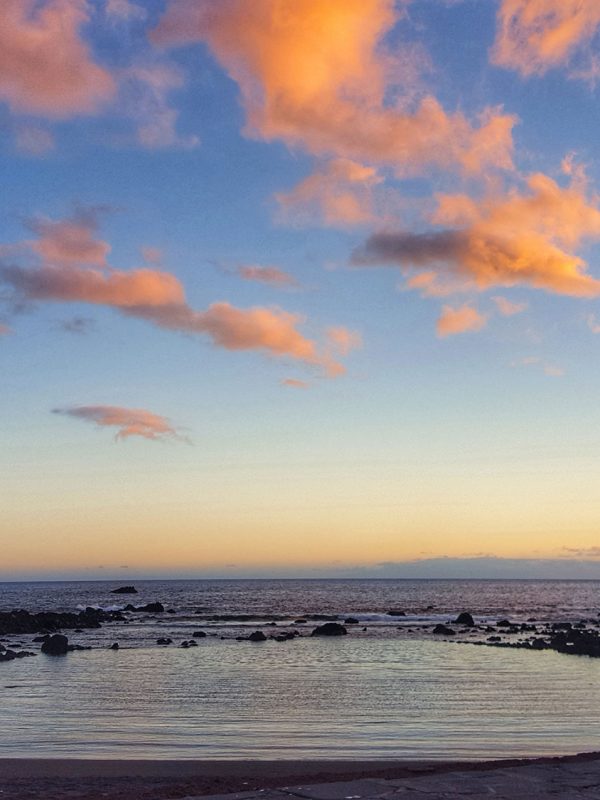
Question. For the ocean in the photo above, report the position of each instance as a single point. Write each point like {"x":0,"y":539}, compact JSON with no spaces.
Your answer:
{"x":387,"y":689}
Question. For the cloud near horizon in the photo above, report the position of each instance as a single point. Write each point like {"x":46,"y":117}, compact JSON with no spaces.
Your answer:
{"x":46,"y":69}
{"x":507,"y":240}
{"x":129,"y":421}
{"x":534,"y":36}
{"x":332,"y":100}
{"x":73,"y":269}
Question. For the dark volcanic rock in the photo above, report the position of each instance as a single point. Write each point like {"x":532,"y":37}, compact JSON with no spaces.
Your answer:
{"x":350,"y":621}
{"x":199,"y":634}
{"x":443,"y":630}
{"x":57,"y":645}
{"x":330,"y":629}
{"x":257,"y":636}
{"x":465,"y":619}
{"x":396,"y":612}
{"x":164,"y":640}
{"x":125,"y":590}
{"x":114,"y":646}
{"x":504,"y":623}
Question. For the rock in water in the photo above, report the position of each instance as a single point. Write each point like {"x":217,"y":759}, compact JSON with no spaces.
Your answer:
{"x":330,"y":629}
{"x":114,"y":646}
{"x":465,"y":619}
{"x":199,"y":634}
{"x":151,"y":608}
{"x":125,"y":590}
{"x":56,"y":645}
{"x":257,"y":636}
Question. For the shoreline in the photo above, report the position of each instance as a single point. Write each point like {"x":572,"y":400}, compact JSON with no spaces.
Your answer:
{"x":138,"y":779}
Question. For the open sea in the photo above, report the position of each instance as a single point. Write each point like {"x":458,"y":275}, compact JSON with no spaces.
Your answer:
{"x":389,"y":689}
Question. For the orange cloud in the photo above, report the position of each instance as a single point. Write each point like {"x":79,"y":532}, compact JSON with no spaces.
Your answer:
{"x":536,"y":35}
{"x":459,"y":320}
{"x":270,"y":275}
{"x":340,"y":192}
{"x":129,"y":421}
{"x":518,"y":238}
{"x":4,"y":329}
{"x":314,"y":74}
{"x":45,"y":67}
{"x":508,"y":308}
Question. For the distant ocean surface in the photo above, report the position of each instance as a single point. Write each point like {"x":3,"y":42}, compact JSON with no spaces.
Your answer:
{"x":386,"y":690}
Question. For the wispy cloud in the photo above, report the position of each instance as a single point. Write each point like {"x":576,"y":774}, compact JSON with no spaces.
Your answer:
{"x":128,"y":421}
{"x":273,"y":276}
{"x":72,"y":268}
{"x":465,"y":319}
{"x":535,"y":35}
{"x":507,"y":308}
{"x":339,"y":192}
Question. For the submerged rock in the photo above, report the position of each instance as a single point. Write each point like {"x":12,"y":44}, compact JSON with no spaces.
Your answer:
{"x":330,"y":629}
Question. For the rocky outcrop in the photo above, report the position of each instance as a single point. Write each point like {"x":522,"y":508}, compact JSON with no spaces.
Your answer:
{"x":124,"y":590}
{"x":21,"y":621}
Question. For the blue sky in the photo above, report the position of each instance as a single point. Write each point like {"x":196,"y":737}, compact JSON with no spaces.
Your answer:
{"x":309,"y":286}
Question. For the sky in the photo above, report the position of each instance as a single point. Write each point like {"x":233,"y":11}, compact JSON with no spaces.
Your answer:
{"x":299,"y":288}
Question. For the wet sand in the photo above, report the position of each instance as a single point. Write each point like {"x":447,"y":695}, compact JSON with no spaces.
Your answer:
{"x":78,"y":779}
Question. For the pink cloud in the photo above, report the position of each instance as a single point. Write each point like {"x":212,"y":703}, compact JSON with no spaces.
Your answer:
{"x":316,"y":75}
{"x":73,"y":269}
{"x":129,"y":421}
{"x":45,"y":66}
{"x":70,"y":241}
{"x":535,"y":35}
{"x":459,"y":320}
{"x":4,"y":329}
{"x":270,"y":275}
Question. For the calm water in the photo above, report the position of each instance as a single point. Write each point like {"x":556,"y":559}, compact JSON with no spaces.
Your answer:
{"x":379,"y":693}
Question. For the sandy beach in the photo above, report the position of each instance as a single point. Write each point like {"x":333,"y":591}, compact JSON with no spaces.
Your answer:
{"x":59,"y":779}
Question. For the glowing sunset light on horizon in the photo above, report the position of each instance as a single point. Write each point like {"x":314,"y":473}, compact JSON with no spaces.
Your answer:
{"x":348,"y":251}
